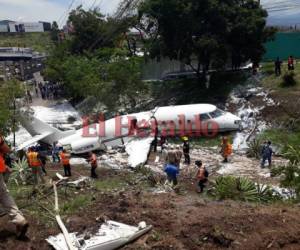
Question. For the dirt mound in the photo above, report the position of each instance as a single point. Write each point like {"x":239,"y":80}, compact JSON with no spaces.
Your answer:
{"x":179,"y":222}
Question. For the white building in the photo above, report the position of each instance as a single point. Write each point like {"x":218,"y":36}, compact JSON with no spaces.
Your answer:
{"x":3,"y":28}
{"x":25,"y":27}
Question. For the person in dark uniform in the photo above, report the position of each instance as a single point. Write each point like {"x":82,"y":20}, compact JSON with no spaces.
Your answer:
{"x":278,"y":67}
{"x":186,"y":150}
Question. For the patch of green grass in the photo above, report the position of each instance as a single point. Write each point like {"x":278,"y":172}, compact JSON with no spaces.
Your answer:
{"x":282,"y":138}
{"x":78,"y":202}
{"x":268,"y":68}
{"x":40,"y":42}
{"x":271,"y":81}
{"x":19,"y":192}
{"x":206,"y":142}
{"x":201,"y":141}
{"x":109,"y":184}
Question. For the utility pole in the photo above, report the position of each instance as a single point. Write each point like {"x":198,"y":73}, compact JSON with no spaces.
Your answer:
{"x":14,"y":122}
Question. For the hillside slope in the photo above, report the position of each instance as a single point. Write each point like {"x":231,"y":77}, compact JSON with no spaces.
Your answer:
{"x":40,"y":42}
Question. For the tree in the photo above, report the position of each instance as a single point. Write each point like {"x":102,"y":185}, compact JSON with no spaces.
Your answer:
{"x":95,"y":61}
{"x":109,"y":75}
{"x":92,"y":30}
{"x":207,"y":33}
{"x":54,"y":32}
{"x":10,"y":91}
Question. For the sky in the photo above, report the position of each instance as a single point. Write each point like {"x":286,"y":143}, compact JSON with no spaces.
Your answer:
{"x":281,"y":12}
{"x":48,"y":10}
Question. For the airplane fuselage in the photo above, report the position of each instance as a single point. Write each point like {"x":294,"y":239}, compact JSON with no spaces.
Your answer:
{"x":186,"y":120}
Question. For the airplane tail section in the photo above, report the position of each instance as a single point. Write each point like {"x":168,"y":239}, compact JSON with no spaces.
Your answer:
{"x":36,"y":127}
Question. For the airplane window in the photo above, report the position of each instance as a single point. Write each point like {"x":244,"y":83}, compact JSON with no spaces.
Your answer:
{"x":216,"y":113}
{"x":204,"y":117}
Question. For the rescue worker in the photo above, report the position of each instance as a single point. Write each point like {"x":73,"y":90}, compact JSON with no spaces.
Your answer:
{"x":186,"y":150}
{"x":278,"y":67}
{"x":29,"y":97}
{"x":163,"y":142}
{"x":6,"y":201}
{"x":65,"y":160}
{"x":165,"y":154}
{"x":291,"y":63}
{"x":201,"y":176}
{"x":94,"y":165}
{"x":8,"y":163}
{"x":267,"y":153}
{"x":42,"y":157}
{"x":55,"y":152}
{"x":155,"y":141}
{"x":226,"y":148}
{"x":179,"y":154}
{"x":35,"y":164}
{"x":171,"y":157}
{"x":172,"y":171}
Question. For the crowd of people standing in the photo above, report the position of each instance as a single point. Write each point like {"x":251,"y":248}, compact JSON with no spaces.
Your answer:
{"x":48,"y":90}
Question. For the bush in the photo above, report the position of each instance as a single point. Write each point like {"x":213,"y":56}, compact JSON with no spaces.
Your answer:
{"x":293,"y":154}
{"x":255,"y":148}
{"x":288,"y":80}
{"x":290,"y":177}
{"x":243,"y":189}
{"x":21,"y":172}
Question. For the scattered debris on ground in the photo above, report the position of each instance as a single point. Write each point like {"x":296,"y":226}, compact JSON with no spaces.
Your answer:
{"x":111,"y":235}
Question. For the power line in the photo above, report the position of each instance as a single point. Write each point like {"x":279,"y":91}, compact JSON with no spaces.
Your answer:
{"x":280,"y":5}
{"x":94,"y":3}
{"x":124,"y":7}
{"x":66,"y":13}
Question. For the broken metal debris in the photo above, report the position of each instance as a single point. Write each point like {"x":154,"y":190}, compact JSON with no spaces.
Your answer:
{"x":111,"y":235}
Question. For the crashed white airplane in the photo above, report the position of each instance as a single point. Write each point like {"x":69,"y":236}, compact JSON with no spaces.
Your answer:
{"x":136,"y":130}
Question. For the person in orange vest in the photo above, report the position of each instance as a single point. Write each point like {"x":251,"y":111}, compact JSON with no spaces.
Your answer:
{"x":65,"y":160}
{"x":201,"y":176}
{"x":226,"y":149}
{"x":6,"y":201}
{"x":35,"y":164}
{"x":94,"y":164}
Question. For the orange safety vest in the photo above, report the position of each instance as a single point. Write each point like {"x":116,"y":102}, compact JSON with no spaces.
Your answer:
{"x":226,"y":149}
{"x":33,"y":159}
{"x":2,"y":164}
{"x":64,"y":158}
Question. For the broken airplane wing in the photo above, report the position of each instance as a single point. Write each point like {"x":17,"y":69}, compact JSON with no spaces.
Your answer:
{"x":33,"y":140}
{"x":138,"y":150}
